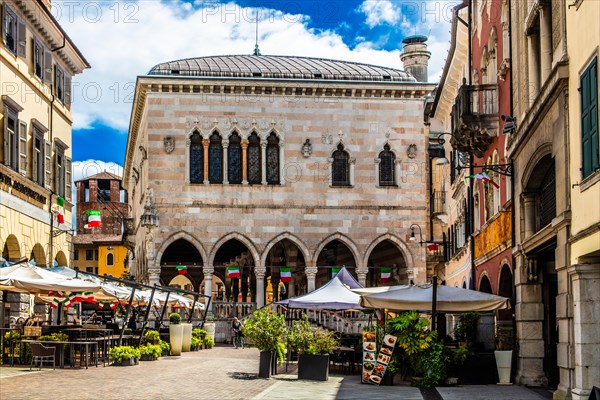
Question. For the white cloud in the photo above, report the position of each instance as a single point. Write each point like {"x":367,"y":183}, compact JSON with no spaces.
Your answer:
{"x":379,"y":12}
{"x":124,"y":39}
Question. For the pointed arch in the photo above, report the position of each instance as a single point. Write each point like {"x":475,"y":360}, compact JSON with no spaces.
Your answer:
{"x":254,"y":159}
{"x":195,"y":157}
{"x":181,"y":235}
{"x":273,"y":159}
{"x":402,"y":247}
{"x":239,"y":237}
{"x":234,"y":158}
{"x":292,"y":238}
{"x":215,"y":157}
{"x":340,"y":166}
{"x":387,"y":166}
{"x":343,"y":239}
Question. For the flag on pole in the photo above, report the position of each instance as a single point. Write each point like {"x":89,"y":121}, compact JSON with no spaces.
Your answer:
{"x":94,"y":219}
{"x":233,"y":272}
{"x":181,"y":269}
{"x":484,"y":177}
{"x":433,"y":247}
{"x":386,"y":274}
{"x":335,"y":271}
{"x":286,"y":274}
{"x":60,"y":213}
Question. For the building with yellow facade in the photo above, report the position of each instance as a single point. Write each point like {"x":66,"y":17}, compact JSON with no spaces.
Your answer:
{"x":37,"y":63}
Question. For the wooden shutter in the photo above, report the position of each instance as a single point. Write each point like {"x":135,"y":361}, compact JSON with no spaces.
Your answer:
{"x":67,"y":90}
{"x":47,"y":73}
{"x":68,"y":174}
{"x":21,"y":39}
{"x":6,"y":149}
{"x":23,"y":148}
{"x":3,"y":16}
{"x":56,"y":185}
{"x":48,"y":164}
{"x":590,"y":157}
{"x":34,"y":158}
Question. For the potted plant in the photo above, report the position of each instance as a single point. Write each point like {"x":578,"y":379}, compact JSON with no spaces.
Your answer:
{"x":124,"y":355}
{"x":152,"y":336}
{"x":150,"y":352}
{"x":175,"y":334}
{"x":208,"y":342}
{"x":198,"y":336}
{"x":503,"y":353}
{"x":210,"y":327}
{"x":165,"y":348}
{"x":187,"y":336}
{"x":314,"y":363}
{"x":265,"y":330}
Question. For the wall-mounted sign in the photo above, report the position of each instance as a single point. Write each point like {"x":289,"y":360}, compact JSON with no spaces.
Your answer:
{"x":21,"y":190}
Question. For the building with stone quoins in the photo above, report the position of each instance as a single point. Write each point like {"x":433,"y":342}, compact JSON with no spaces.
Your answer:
{"x":265,"y":162}
{"x":37,"y":62}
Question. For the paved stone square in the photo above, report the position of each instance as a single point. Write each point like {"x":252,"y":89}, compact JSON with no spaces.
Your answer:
{"x":221,"y":373}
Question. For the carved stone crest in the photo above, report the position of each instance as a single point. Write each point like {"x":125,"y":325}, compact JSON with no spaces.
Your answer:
{"x":326,"y":138}
{"x":307,"y":148}
{"x":169,"y":143}
{"x":412,"y":151}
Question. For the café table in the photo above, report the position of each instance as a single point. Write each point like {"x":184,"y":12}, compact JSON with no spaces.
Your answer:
{"x":61,"y":347}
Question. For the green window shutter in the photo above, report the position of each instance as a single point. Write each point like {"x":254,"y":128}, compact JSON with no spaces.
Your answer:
{"x":48,"y":164}
{"x":590,"y":157}
{"x":68,"y":174}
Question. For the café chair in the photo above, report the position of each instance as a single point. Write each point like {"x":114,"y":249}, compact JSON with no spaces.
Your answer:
{"x":41,"y":354}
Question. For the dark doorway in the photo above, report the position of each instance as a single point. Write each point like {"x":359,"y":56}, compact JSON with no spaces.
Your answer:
{"x":546,"y":265}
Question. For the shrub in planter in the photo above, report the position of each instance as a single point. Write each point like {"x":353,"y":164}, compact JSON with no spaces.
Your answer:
{"x":124,"y":355}
{"x":209,"y":342}
{"x":152,"y":336}
{"x":55,"y":337}
{"x":265,"y":330}
{"x":150,"y":352}
{"x":199,"y":333}
{"x":175,"y":334}
{"x":165,"y":348}
{"x":196,"y":343}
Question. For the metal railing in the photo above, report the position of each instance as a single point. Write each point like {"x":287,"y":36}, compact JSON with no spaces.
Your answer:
{"x":230,"y":309}
{"x":475,"y":100}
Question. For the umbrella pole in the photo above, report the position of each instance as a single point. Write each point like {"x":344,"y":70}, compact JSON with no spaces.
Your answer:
{"x":126,"y":316}
{"x":164,"y":309}
{"x":434,"y":303}
{"x":148,"y":306}
{"x":192,"y":310}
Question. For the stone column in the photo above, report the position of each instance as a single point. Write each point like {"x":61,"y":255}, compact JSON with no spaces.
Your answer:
{"x":529,"y":211}
{"x":292,"y":288}
{"x":586,"y":312}
{"x":208,"y":271}
{"x":205,"y":144}
{"x":281,"y":162}
{"x":311,"y":278}
{"x":533,"y":52}
{"x":275,"y":285}
{"x":545,"y":42}
{"x":263,"y":149}
{"x":154,"y":276}
{"x":260,"y":286}
{"x":245,"y":162}
{"x":362,"y":276}
{"x":225,"y":162}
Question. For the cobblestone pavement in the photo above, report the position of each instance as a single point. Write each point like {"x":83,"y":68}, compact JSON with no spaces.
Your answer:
{"x":222,"y":373}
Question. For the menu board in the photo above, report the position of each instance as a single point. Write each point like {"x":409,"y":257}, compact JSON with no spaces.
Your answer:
{"x":374,"y":367}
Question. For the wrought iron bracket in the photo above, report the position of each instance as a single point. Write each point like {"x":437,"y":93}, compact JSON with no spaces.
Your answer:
{"x":502,"y":169}
{"x":58,"y":232}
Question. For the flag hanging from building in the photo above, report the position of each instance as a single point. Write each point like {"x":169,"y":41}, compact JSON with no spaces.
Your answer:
{"x":386,"y":274}
{"x":286,"y":274}
{"x":181,"y":269}
{"x":94,"y":219}
{"x":233,"y":272}
{"x":335,"y":271}
{"x":484,"y":177}
{"x":60,"y":213}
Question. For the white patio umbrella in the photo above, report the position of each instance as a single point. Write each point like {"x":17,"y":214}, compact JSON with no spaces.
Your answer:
{"x":419,"y":298}
{"x":31,"y":279}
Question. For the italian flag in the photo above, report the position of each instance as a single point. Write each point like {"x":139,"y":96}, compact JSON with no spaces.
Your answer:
{"x":286,"y":274}
{"x":181,"y":269}
{"x":60,"y":213}
{"x":110,"y":305}
{"x":335,"y":271}
{"x":94,"y":219}
{"x":233,"y":272}
{"x":386,"y":274}
{"x":484,"y":177}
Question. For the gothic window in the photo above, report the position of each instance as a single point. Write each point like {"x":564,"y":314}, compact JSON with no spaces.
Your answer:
{"x":340,"y":168}
{"x":254,"y":160}
{"x":234,"y":159}
{"x":386,"y":167}
{"x":272,"y":159}
{"x":215,"y":159}
{"x":547,"y":198}
{"x":196,"y":159}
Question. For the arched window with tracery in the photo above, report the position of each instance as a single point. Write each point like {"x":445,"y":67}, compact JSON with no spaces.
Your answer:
{"x":215,"y":159}
{"x":196,"y":158}
{"x":340,"y":168}
{"x":110,"y":259}
{"x":234,"y":159}
{"x":254,"y":160}
{"x":387,"y":158}
{"x":273,"y":159}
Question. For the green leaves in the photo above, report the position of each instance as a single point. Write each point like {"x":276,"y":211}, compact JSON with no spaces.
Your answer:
{"x":152,"y":350}
{"x":152,"y":336}
{"x":265,"y":330}
{"x":175,"y":318}
{"x":120,"y":353}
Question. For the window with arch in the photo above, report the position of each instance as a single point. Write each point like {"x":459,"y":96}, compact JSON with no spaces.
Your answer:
{"x":234,"y":159}
{"x":387,"y":158}
{"x":340,"y":168}
{"x":254,"y":169}
{"x":110,"y":259}
{"x":215,"y":159}
{"x":273,"y":159}
{"x":196,"y":158}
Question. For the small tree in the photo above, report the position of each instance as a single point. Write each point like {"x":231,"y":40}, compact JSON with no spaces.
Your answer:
{"x":265,"y":330}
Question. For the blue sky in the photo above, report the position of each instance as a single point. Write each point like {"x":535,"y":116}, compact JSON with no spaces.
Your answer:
{"x":124,"y":39}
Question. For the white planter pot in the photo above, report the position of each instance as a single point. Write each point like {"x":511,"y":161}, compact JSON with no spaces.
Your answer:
{"x":187,"y":337}
{"x":210,"y":328}
{"x":176,"y":339}
{"x":504,"y":364}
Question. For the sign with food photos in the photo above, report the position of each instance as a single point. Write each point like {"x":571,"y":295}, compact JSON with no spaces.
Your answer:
{"x":375,"y":374}
{"x":369,"y":355}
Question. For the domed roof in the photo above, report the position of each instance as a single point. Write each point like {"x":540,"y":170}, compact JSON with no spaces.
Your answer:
{"x":279,"y":67}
